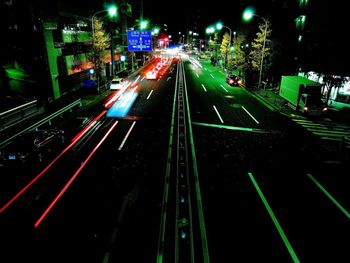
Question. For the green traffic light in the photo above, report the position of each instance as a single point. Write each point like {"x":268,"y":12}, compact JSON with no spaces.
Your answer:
{"x":248,"y":14}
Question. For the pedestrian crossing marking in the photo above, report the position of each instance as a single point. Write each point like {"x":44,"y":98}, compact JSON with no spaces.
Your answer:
{"x":323,"y":129}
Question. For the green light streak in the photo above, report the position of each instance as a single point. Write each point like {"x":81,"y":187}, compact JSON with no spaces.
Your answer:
{"x":274,"y":219}
{"x":197,"y":187}
{"x":337,"y":204}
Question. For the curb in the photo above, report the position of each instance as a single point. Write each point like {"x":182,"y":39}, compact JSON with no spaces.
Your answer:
{"x":266,"y":102}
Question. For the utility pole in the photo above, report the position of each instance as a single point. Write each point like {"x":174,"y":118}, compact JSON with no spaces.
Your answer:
{"x":141,"y":10}
{"x":112,"y":53}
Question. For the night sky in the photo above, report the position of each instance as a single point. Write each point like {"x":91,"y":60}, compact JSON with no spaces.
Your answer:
{"x":327,"y":19}
{"x":181,"y":15}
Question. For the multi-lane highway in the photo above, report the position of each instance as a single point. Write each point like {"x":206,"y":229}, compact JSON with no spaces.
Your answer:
{"x":197,"y":171}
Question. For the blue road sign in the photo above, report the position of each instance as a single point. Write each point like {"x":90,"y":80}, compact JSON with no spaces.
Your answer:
{"x":139,"y":40}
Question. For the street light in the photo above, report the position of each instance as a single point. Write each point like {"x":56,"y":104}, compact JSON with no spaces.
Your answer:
{"x":247,"y":16}
{"x":112,"y":11}
{"x":143,"y":24}
{"x":155,"y":31}
{"x":211,"y":30}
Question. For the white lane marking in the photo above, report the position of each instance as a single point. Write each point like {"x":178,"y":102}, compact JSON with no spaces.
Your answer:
{"x":212,"y":76}
{"x":197,"y":75}
{"x":223,"y":88}
{"x":149,"y":95}
{"x":204,"y":88}
{"x":126,"y":136}
{"x":218,"y":114}
{"x":250,"y":115}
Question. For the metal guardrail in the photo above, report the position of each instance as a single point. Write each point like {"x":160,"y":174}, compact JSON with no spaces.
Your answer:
{"x":11,"y":117}
{"x":41,"y":122}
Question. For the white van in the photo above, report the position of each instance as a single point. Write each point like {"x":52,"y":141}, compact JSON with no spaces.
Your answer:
{"x":117,"y":83}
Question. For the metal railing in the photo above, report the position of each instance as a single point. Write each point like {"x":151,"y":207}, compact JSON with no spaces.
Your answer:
{"x":15,"y":115}
{"x":43,"y":121}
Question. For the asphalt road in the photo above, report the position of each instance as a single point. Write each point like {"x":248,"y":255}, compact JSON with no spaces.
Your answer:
{"x":262,"y":181}
{"x":263,"y":190}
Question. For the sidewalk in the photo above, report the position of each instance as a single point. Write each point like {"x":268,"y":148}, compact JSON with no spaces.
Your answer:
{"x":339,"y":149}
{"x":272,"y":100}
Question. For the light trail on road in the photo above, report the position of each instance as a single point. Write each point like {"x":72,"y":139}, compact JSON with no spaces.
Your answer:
{"x":73,"y":142}
{"x":64,"y":189}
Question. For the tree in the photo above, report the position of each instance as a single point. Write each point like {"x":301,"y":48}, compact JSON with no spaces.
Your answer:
{"x":257,"y":50}
{"x":225,"y":45}
{"x":100,"y":42}
{"x":331,"y":81}
{"x":239,"y":59}
{"x":213,"y":43}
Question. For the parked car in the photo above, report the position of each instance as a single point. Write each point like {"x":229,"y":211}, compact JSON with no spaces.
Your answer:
{"x":234,"y":80}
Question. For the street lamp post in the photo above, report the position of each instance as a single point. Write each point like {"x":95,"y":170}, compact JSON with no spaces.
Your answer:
{"x":220,"y":26}
{"x":247,"y":16}
{"x":210,"y":30}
